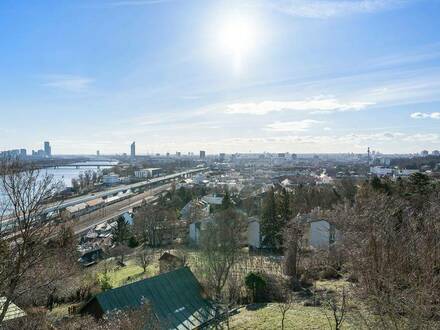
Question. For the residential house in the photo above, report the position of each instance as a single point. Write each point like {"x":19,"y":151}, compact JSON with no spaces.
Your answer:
{"x":197,"y":207}
{"x":110,"y":179}
{"x":176,"y":298}
{"x":128,"y":218}
{"x":319,"y":233}
{"x":196,"y":228}
{"x":252,"y":237}
{"x":253,"y":233}
{"x":91,"y":257}
{"x":147,"y":173}
{"x":213,"y":199}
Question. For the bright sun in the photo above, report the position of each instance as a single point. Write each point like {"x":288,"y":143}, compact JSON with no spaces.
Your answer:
{"x":237,"y":37}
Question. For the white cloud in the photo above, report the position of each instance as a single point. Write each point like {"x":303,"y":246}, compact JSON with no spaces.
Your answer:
{"x":331,"y":8}
{"x":314,"y":104}
{"x":292,"y":126}
{"x":68,"y":83}
{"x":354,"y":142}
{"x":423,"y":115}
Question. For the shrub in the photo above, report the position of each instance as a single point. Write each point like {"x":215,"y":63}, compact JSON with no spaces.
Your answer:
{"x":104,"y":281}
{"x":329,"y":273}
{"x":256,"y":284}
{"x":132,"y":242}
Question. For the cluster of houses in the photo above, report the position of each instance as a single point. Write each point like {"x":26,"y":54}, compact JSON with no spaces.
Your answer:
{"x":392,"y":172}
{"x":319,"y":233}
{"x":99,"y":239}
{"x":232,"y":181}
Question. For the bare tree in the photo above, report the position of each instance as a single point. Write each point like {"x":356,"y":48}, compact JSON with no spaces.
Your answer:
{"x":150,"y":224}
{"x":119,"y":252}
{"x":144,"y":258}
{"x":390,"y":235}
{"x":285,"y":306}
{"x":28,"y":262}
{"x":293,"y":238}
{"x":337,"y":307}
{"x":221,"y":242}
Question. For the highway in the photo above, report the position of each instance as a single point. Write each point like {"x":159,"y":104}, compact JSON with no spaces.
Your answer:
{"x":110,"y":192}
{"x":114,"y":191}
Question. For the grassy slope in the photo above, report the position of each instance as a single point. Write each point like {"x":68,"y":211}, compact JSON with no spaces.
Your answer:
{"x":299,"y":317}
{"x":131,"y":272}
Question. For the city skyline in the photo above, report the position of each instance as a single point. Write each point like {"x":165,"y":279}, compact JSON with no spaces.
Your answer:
{"x":299,"y":76}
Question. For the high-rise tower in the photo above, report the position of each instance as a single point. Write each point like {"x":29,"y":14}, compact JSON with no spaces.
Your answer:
{"x":133,"y":150}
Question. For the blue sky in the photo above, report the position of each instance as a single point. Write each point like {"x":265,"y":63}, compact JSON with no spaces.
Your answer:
{"x":223,"y":76}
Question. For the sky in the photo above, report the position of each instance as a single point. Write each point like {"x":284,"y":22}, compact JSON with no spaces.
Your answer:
{"x":299,"y":76}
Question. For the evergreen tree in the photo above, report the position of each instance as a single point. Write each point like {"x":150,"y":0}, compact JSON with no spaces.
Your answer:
{"x":121,"y":232}
{"x":284,"y":207}
{"x":269,"y":222}
{"x":226,"y":202}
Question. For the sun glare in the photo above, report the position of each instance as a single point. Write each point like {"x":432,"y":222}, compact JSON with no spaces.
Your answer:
{"x":237,"y":37}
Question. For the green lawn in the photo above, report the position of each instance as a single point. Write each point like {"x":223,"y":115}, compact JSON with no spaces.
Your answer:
{"x":131,"y":272}
{"x":269,"y":317}
{"x":122,"y":275}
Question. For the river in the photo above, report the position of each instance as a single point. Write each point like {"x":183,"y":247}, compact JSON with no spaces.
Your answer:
{"x":67,"y":173}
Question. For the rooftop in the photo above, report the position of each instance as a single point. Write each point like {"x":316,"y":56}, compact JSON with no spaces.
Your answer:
{"x":176,"y":298}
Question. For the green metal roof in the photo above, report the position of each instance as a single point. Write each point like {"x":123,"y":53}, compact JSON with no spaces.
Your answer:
{"x":174,"y":296}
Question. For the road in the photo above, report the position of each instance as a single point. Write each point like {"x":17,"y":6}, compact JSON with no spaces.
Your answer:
{"x":114,"y":191}
{"x":7,"y":222}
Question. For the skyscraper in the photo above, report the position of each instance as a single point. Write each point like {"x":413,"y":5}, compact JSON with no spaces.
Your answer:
{"x":133,"y":150}
{"x":47,"y":149}
{"x":202,"y":154}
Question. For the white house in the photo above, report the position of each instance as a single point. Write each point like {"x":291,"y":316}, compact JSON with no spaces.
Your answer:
{"x":253,"y":235}
{"x":196,"y":228}
{"x":190,"y":209}
{"x":320,"y":234}
{"x":325,"y":179}
{"x":200,"y":178}
{"x":286,"y":182}
{"x":381,"y":171}
{"x":110,"y":179}
{"x":147,"y":173}
{"x":406,"y":172}
{"x":213,"y":199}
